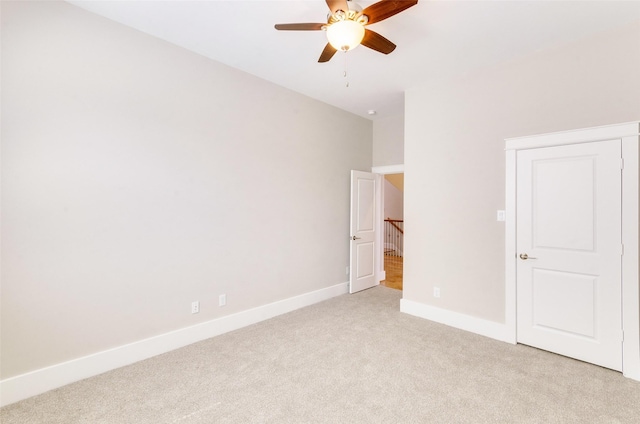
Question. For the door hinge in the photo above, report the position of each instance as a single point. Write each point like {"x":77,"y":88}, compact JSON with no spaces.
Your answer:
{"x":622,"y":250}
{"x":621,"y":163}
{"x":621,"y":335}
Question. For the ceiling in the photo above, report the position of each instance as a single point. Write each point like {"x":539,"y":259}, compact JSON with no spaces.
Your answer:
{"x":435,"y":39}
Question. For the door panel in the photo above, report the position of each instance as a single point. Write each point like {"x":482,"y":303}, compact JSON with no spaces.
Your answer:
{"x":569,"y":226}
{"x":363,"y":231}
{"x":563,"y":203}
{"x":365,"y":204}
{"x":365,"y":257}
{"x":555,"y":293}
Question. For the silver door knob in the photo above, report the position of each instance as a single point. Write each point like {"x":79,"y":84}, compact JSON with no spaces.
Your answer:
{"x":355,"y":238}
{"x":524,"y":257}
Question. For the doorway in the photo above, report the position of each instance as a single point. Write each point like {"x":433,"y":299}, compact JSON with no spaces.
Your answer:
{"x":542,"y":297}
{"x":367,"y":265}
{"x":393,"y":233}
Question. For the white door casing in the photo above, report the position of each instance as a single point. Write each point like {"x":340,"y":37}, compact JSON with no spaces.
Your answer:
{"x":569,"y":249}
{"x":629,"y":135}
{"x":362,"y":270}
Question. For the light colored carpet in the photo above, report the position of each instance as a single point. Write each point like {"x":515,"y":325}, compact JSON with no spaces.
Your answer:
{"x":352,"y":359}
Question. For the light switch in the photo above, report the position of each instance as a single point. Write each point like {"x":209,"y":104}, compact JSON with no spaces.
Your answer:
{"x":501,"y":216}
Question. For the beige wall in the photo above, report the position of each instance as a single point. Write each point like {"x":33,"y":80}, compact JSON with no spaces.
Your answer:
{"x":393,"y":199}
{"x":455,"y":163}
{"x":388,"y":140}
{"x":138,"y":177}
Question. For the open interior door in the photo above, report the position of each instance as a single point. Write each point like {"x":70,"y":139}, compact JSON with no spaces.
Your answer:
{"x":363,"y":231}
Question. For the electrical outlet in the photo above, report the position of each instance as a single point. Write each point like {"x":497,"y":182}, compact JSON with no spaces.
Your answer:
{"x":222,"y":300}
{"x":195,"y":307}
{"x":436,"y":292}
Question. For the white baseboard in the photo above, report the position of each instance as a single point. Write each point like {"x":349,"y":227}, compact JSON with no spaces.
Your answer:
{"x":631,"y":371}
{"x":33,"y":383}
{"x":480,"y":326}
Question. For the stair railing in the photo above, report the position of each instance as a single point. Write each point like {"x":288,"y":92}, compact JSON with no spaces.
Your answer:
{"x":393,"y":237}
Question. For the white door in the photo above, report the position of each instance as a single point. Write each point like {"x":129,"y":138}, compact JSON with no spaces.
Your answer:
{"x":569,"y":248}
{"x":363,"y":231}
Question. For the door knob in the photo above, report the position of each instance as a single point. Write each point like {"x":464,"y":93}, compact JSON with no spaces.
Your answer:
{"x":524,"y":257}
{"x":355,"y":238}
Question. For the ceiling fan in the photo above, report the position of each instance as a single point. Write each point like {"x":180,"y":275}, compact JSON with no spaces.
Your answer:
{"x":346,"y":25}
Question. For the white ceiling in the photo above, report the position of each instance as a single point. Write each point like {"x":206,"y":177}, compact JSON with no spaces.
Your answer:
{"x":435,"y":39}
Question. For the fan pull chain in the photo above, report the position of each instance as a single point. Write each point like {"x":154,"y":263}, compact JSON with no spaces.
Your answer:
{"x":345,"y":69}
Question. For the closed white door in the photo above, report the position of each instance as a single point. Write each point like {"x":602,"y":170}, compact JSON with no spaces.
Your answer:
{"x":569,"y":251}
{"x":363,"y":231}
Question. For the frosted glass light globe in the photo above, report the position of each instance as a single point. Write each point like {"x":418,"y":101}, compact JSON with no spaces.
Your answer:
{"x":345,"y":35}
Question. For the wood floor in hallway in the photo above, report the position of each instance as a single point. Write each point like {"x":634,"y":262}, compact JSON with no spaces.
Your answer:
{"x":393,"y":271}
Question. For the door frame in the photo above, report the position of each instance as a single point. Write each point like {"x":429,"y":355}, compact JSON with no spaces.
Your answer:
{"x":380,"y":171}
{"x":629,"y":134}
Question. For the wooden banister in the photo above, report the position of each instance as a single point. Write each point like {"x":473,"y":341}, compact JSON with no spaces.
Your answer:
{"x":393,"y":223}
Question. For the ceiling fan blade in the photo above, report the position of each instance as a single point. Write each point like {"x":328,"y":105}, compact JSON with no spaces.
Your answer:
{"x":299,"y":27}
{"x":327,"y":53}
{"x":377,"y":42}
{"x":386,"y":8}
{"x":335,"y":5}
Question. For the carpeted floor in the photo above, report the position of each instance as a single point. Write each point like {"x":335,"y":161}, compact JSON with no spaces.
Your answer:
{"x":352,"y":359}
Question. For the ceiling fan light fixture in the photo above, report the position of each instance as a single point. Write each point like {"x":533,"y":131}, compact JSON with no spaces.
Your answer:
{"x":346,"y":23}
{"x":340,"y":15}
{"x":345,"y":35}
